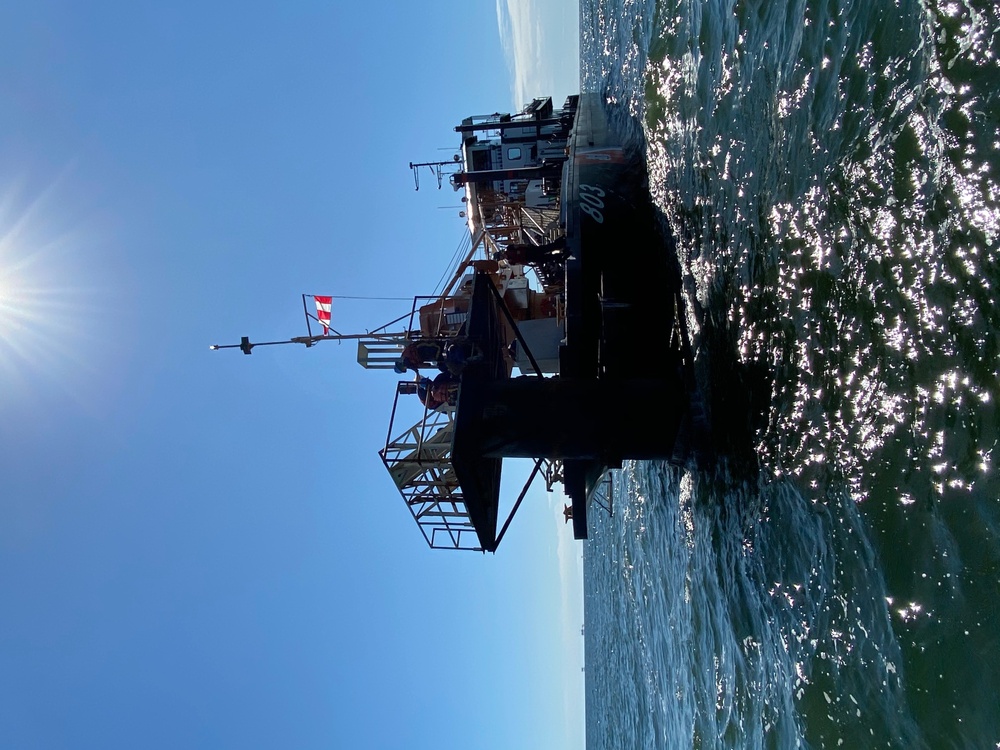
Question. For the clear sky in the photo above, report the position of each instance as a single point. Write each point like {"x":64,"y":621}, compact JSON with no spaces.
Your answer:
{"x":202,"y":550}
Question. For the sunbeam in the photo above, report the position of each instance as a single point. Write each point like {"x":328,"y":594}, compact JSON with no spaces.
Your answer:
{"x":50,"y":339}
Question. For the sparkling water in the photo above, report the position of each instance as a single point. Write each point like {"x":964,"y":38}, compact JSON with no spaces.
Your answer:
{"x":829,"y":171}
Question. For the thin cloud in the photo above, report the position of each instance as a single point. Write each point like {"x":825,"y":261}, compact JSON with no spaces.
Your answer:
{"x":541,"y":43}
{"x":569,"y":551}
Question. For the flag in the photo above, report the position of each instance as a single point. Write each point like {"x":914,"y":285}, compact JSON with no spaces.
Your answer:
{"x":323,"y":305}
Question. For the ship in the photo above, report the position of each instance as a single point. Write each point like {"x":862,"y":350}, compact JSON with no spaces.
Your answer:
{"x":561,"y":338}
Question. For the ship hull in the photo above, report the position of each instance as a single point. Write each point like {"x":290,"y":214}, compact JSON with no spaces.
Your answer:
{"x":623,"y":386}
{"x":623,"y":304}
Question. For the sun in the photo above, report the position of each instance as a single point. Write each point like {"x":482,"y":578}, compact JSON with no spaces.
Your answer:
{"x":22,"y":322}
{"x":44,"y":297}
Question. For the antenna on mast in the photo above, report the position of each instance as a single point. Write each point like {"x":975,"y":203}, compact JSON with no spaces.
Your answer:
{"x":436,"y":167}
{"x":246,"y":346}
{"x":377,"y":349}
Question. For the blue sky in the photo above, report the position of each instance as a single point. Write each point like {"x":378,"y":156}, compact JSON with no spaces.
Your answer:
{"x":202,"y":549}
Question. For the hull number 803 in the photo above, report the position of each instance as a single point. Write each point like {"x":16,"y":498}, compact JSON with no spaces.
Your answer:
{"x":591,"y":202}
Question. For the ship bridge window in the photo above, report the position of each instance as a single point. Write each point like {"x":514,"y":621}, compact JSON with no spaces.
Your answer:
{"x":481,"y":160}
{"x":514,"y":153}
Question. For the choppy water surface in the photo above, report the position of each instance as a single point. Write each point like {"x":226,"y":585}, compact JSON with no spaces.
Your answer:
{"x":830,"y":171}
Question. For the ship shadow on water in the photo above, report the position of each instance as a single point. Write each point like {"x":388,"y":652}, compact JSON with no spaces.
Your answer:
{"x":730,"y":397}
{"x":739,"y":395}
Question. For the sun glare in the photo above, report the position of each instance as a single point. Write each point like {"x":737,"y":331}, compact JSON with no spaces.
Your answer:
{"x":44,"y":299}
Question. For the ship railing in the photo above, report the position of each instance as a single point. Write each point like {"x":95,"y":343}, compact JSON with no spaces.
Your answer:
{"x":379,"y":350}
{"x":544,"y":220}
{"x":437,"y":317}
{"x":603,"y":494}
{"x":418,"y":458}
{"x":552,"y":473}
{"x":516,"y":222}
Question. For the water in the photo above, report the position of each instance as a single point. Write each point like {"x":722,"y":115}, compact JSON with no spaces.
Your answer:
{"x":830,"y":170}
